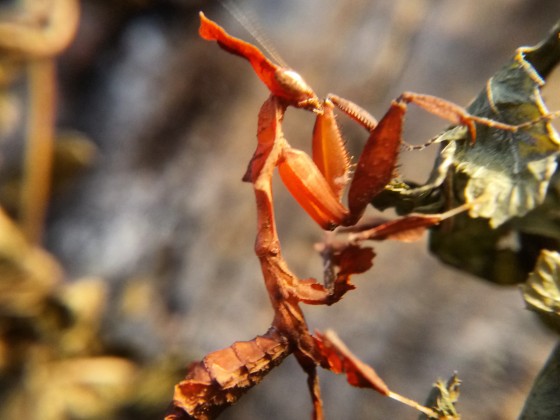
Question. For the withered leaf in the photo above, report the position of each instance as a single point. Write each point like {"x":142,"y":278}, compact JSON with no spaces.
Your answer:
{"x":504,"y":174}
{"x":505,"y":250}
{"x":509,"y":173}
{"x":542,"y":290}
{"x":506,"y":254}
{"x":443,"y":397}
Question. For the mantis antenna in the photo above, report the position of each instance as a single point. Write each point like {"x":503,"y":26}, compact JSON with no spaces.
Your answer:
{"x":249,"y":21}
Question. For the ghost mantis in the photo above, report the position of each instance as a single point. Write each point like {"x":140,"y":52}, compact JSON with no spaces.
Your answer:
{"x":318,"y":184}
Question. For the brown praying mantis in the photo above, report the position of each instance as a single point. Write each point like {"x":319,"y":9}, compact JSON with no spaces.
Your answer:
{"x":317,"y":183}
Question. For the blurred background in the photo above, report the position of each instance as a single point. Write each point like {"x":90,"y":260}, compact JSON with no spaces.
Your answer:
{"x":152,"y":215}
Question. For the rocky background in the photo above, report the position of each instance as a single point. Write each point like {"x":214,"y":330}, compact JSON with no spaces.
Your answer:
{"x":161,"y":214}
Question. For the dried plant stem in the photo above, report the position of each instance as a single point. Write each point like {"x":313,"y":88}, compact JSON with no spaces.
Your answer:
{"x":39,"y":147}
{"x":411,"y":403}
